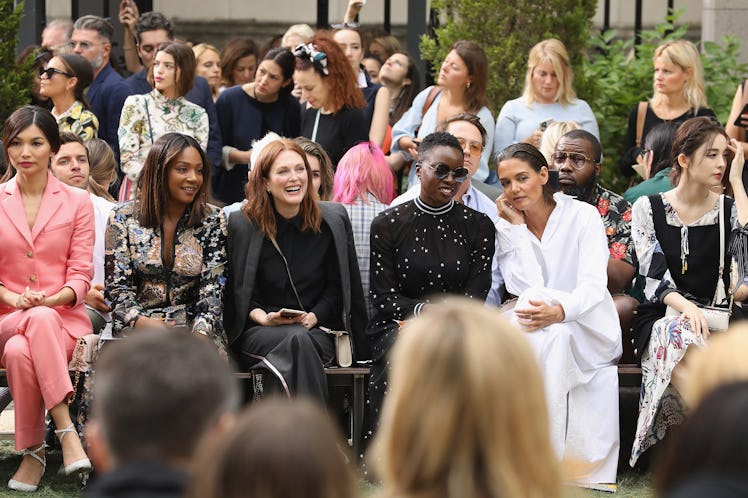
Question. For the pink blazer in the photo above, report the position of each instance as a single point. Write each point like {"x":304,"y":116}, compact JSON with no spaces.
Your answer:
{"x":56,"y":253}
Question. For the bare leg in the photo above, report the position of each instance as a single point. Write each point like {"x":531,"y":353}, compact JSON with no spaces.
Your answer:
{"x":31,"y":470}
{"x":72,"y":449}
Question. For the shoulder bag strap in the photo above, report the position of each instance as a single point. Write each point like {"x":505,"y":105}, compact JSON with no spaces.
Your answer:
{"x":435,"y":91}
{"x":148,"y":113}
{"x":641,"y":114}
{"x":288,"y":271}
{"x":719,"y":292}
{"x":314,"y":139}
{"x":745,"y":101}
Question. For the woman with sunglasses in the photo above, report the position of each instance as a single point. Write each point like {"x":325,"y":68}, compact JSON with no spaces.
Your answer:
{"x":146,"y":117}
{"x":63,"y":80}
{"x":553,"y":254}
{"x":422,"y":249}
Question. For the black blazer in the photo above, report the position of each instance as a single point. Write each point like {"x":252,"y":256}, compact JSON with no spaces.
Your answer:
{"x":244,"y":246}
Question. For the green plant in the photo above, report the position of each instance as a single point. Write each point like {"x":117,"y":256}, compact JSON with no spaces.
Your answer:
{"x":15,"y":80}
{"x":618,"y":80}
{"x":507,"y":31}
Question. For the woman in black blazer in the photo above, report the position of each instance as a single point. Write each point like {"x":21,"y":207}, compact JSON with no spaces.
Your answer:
{"x":288,"y":250}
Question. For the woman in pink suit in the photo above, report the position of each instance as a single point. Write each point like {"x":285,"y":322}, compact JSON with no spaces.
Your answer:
{"x":47,"y":232}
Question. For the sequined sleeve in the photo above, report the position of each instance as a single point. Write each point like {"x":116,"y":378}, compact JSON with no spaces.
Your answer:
{"x":120,"y":279}
{"x":209,"y":306}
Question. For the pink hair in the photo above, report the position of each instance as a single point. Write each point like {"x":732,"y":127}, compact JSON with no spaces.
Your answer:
{"x":361,"y":170}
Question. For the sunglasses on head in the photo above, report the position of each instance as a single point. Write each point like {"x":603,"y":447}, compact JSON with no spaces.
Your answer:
{"x":577,"y":160}
{"x":50,"y":71}
{"x":475,"y":148}
{"x":442,"y":171}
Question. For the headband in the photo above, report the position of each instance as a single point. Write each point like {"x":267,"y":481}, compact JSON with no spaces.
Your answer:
{"x":308,"y":52}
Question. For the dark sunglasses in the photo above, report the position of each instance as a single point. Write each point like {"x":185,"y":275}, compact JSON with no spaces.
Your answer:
{"x":50,"y":71}
{"x":442,"y":171}
{"x":577,"y":160}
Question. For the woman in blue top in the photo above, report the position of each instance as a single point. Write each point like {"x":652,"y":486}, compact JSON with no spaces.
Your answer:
{"x":548,"y":96}
{"x":248,"y":112}
{"x":461,"y":88}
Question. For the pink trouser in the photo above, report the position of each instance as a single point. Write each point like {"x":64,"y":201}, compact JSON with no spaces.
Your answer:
{"x":36,"y":349}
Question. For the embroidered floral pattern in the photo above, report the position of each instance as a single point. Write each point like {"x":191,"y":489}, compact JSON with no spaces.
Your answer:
{"x":166,"y":115}
{"x":138,"y":283}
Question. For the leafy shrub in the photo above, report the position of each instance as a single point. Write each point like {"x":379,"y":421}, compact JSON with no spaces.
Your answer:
{"x":15,"y":82}
{"x":507,"y":31}
{"x":618,"y":81}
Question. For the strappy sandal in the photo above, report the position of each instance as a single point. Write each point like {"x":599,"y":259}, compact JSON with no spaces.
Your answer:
{"x":25,"y":487}
{"x":79,"y":466}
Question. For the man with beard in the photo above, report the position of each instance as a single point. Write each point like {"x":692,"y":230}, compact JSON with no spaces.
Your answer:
{"x":577,"y":159}
{"x":92,"y":39}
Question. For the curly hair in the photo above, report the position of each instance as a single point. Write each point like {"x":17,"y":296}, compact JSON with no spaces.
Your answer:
{"x":340,"y":80}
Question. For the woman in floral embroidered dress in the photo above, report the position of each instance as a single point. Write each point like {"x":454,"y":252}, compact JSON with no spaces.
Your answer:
{"x":146,"y":117}
{"x":166,"y":250}
{"x":677,"y":240}
{"x":63,"y":81}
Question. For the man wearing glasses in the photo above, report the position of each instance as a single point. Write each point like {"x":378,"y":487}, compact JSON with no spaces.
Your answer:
{"x":577,"y":159}
{"x":473,"y":193}
{"x":92,"y":39}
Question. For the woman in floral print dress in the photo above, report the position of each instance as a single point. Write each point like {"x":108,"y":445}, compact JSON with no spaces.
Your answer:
{"x":676,"y":235}
{"x":146,"y":117}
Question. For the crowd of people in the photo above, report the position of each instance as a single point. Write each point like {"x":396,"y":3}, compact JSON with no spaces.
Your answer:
{"x":259,"y":203}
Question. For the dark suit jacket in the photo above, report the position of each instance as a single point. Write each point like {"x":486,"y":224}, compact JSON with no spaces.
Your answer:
{"x":107,"y":95}
{"x":244,"y":247}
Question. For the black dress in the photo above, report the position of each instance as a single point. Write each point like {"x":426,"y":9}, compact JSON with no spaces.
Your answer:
{"x":336,"y":133}
{"x":418,"y":253}
{"x":651,"y":120}
{"x":293,"y":355}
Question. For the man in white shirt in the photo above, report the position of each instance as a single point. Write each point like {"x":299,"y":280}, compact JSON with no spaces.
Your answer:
{"x":471,"y":134}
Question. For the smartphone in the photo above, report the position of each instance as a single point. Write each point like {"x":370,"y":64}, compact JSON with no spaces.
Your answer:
{"x":290,"y":313}
{"x":545,"y":124}
{"x":743,"y":123}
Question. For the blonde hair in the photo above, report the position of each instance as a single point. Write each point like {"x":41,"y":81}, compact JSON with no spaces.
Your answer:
{"x":199,"y":50}
{"x":685,"y":55}
{"x":303,"y":31}
{"x":553,"y":51}
{"x":456,"y":422}
{"x":553,"y":134}
{"x":102,"y":168}
{"x":720,"y":362}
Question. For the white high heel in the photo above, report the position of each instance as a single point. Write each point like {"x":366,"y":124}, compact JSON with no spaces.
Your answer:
{"x":25,"y":487}
{"x":79,"y":466}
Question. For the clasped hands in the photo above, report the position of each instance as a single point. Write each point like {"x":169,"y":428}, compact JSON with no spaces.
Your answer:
{"x":29,"y":298}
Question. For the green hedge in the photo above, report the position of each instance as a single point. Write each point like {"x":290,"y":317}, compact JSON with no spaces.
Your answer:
{"x":607,"y":75}
{"x":15,"y":82}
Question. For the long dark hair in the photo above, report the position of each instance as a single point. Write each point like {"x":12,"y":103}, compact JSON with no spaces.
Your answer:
{"x":82,"y":70}
{"x":152,"y":195}
{"x":691,"y":135}
{"x":20,"y":120}
{"x":286,"y":62}
{"x":533,"y":157}
{"x":407,"y":92}
{"x":714,"y":438}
